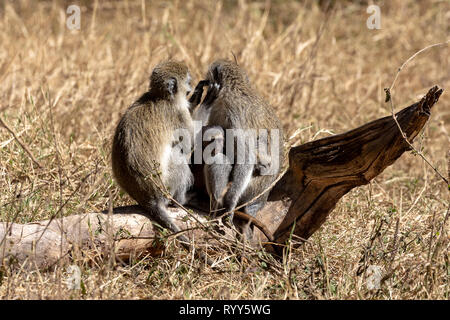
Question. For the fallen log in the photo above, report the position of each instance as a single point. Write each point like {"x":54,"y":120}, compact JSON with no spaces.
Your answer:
{"x":319,"y":174}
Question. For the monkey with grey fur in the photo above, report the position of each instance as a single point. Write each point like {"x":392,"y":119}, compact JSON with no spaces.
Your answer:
{"x":235,"y":104}
{"x":145,"y":137}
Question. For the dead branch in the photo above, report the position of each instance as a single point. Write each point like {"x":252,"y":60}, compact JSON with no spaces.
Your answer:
{"x":321,"y":172}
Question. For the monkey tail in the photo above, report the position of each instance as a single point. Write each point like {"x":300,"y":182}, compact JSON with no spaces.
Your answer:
{"x":261,"y":226}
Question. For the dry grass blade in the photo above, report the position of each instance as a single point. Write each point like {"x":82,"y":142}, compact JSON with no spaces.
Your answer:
{"x":22,"y":145}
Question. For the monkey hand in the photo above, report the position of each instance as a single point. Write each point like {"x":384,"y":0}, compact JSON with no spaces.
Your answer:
{"x":212,"y":93}
{"x":196,"y":97}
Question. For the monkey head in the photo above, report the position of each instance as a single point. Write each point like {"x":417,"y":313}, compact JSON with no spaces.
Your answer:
{"x":225,"y":73}
{"x":170,"y":79}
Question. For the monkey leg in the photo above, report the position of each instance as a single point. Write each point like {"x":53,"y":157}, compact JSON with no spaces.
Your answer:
{"x":157,"y":212}
{"x":218,"y":167}
{"x":216,"y":180}
{"x":240,"y":178}
{"x":184,"y":184}
{"x":180,"y":178}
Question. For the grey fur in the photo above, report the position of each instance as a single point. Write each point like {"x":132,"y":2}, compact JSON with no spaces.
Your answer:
{"x":236,"y":105}
{"x":145,"y":136}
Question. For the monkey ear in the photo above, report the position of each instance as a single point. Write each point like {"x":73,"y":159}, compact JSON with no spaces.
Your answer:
{"x":171,"y":85}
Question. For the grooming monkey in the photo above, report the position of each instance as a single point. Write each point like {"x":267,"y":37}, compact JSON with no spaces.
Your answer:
{"x":234,"y":104}
{"x":145,"y":136}
{"x":216,"y":134}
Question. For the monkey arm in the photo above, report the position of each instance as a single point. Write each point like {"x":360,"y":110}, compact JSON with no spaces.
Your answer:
{"x":211,"y":94}
{"x":196,"y":97}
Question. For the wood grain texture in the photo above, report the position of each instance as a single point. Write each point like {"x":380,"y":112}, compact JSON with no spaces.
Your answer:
{"x":321,"y":172}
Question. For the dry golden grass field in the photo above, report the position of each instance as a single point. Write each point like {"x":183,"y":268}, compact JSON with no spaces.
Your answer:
{"x":63,"y":91}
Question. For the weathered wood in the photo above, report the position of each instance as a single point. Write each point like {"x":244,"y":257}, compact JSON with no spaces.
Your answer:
{"x":125,"y":233}
{"x":320,"y":173}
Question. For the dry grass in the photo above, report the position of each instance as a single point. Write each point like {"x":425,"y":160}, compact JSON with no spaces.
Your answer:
{"x":63,"y":92}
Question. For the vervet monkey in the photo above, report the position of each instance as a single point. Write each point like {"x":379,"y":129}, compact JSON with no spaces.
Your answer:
{"x":236,"y":105}
{"x":145,"y":136}
{"x":216,"y":133}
